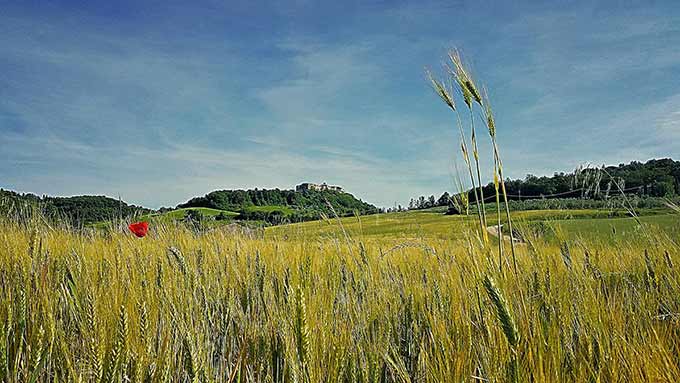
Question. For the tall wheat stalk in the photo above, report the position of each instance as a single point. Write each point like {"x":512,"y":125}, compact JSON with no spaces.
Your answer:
{"x":446,"y":95}
{"x":301,"y":330}
{"x":470,"y":94}
{"x":491,"y":126}
{"x":498,"y":215}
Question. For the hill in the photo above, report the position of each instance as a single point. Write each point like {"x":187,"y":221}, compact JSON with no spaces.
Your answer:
{"x":654,"y":178}
{"x":77,"y":210}
{"x":648,"y":181}
{"x":276,"y":206}
{"x":265,"y":206}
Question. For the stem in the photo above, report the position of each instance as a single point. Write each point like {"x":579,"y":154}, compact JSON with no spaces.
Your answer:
{"x":466,"y":156}
{"x":507,"y":206}
{"x":479,"y":176}
{"x":498,"y":215}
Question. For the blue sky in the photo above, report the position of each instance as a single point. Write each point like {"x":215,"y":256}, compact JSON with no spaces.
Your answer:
{"x":161,"y":101}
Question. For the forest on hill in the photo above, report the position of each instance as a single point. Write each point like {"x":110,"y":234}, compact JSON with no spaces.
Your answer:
{"x":648,"y":180}
{"x":78,"y":210}
{"x":289,"y":204}
{"x":268,"y":206}
{"x":593,"y":187}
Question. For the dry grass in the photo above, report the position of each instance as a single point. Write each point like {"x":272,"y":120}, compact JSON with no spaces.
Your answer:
{"x":177,"y":306}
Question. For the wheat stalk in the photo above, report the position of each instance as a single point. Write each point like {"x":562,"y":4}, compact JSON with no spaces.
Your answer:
{"x":470,"y":94}
{"x":503,"y":312}
{"x":507,"y":323}
{"x":301,"y":330}
{"x":445,"y":94}
{"x":498,"y":163}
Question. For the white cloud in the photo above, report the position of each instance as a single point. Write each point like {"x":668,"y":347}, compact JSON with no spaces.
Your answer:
{"x":320,"y":79}
{"x":158,"y":122}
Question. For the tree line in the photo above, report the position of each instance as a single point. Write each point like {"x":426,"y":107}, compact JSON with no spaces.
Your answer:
{"x":77,"y":211}
{"x":654,"y":178}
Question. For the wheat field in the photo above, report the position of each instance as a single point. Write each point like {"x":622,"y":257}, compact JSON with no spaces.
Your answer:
{"x":221,"y":306}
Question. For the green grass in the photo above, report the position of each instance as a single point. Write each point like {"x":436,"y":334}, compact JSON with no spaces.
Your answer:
{"x":408,"y":224}
{"x":172,"y":216}
{"x":434,"y":224}
{"x":181,"y":213}
{"x":610,"y":229}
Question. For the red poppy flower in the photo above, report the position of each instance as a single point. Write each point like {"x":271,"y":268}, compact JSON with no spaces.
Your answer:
{"x":139,"y":228}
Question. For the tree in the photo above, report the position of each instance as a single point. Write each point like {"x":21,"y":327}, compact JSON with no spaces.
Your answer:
{"x":444,"y":200}
{"x":222,"y":217}
{"x":654,"y":178}
{"x":663,"y":186}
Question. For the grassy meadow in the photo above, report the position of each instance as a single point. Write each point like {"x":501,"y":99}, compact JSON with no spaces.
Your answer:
{"x":433,"y":224}
{"x":179,"y":214}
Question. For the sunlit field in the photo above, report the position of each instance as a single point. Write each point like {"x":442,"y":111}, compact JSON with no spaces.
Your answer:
{"x":433,"y":224}
{"x":346,"y":301}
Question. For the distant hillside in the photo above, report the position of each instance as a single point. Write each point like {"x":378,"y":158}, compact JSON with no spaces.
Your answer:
{"x":649,"y":180}
{"x":654,"y":178}
{"x":78,"y":210}
{"x":275,"y":205}
{"x":267,"y":206}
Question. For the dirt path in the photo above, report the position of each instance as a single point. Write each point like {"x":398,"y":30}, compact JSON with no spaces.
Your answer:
{"x":493,"y":230}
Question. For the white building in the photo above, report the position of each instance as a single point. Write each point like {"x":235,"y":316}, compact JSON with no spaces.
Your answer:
{"x":322,"y":187}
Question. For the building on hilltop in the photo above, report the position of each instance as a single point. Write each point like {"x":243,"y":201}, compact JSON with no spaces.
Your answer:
{"x":322,"y":187}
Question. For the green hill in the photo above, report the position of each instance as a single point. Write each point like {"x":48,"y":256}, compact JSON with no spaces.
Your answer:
{"x":258,"y":205}
{"x":277,"y":206}
{"x":180,"y":214}
{"x":591,"y":187}
{"x":77,"y":210}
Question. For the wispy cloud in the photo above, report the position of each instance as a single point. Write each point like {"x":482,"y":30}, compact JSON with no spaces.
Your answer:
{"x":167,"y":102}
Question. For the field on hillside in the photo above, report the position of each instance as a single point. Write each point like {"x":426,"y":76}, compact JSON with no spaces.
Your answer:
{"x":179,"y":214}
{"x":432,"y":224}
{"x":402,"y":297}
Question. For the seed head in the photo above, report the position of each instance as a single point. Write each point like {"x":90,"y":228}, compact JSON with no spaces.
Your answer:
{"x":442,"y":91}
{"x":505,"y":318}
{"x":464,"y":80}
{"x":488,"y":113}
